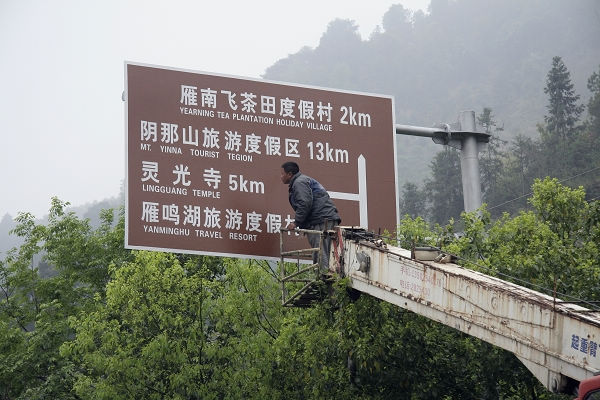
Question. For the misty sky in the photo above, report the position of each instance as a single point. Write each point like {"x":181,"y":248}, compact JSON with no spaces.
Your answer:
{"x":62,"y":75}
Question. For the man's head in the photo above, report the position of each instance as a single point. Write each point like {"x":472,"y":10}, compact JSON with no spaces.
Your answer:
{"x":288,"y":170}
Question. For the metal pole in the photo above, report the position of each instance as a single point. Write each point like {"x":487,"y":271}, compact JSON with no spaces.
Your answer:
{"x":416,"y":130}
{"x":465,"y":139}
{"x":469,"y":163}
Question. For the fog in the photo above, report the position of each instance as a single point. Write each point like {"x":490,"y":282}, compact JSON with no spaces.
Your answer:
{"x":460,"y":55}
{"x":62,"y":76}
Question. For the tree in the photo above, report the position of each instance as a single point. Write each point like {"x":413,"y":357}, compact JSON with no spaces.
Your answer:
{"x":522,"y":164}
{"x":486,"y":371}
{"x":34,"y":308}
{"x":553,"y":246}
{"x":428,"y":63}
{"x":157,"y":325}
{"x":444,"y":186}
{"x":563,"y":110}
{"x":592,"y":139}
{"x":558,"y":132}
{"x":181,"y":327}
{"x":571,"y":150}
{"x":414,"y":201}
{"x":593,"y":107}
{"x":342,"y":46}
{"x":7,"y":241}
{"x":397,"y":22}
{"x":491,"y":165}
{"x":487,"y":121}
{"x":148,"y":339}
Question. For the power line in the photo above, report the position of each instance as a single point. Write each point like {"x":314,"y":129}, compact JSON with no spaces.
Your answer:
{"x":525,"y":283}
{"x":510,"y":201}
{"x":530,"y":193}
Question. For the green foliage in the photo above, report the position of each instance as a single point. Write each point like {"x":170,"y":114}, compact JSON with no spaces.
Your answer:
{"x":414,"y":232}
{"x":185,"y":327}
{"x":147,"y":339}
{"x":34,"y":307}
{"x":560,"y":207}
{"x":554,"y":246}
{"x":309,"y":361}
{"x":178,"y":330}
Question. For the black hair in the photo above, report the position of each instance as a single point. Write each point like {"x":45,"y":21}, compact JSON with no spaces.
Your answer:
{"x":290,"y":166}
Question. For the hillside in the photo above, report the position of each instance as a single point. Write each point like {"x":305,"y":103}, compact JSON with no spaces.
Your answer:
{"x":463,"y":54}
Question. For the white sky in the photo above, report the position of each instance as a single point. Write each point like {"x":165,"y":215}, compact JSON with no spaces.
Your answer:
{"x":61,"y":76}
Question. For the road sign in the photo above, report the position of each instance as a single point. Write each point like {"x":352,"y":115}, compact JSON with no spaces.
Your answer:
{"x":204,"y":155}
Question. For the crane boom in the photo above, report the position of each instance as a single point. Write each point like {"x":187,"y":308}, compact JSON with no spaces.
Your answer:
{"x":556,"y":340}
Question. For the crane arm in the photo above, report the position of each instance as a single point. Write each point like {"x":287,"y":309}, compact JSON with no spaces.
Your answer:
{"x":557,"y":341}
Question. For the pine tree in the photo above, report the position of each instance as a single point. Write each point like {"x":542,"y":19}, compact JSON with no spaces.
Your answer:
{"x":594,"y":104}
{"x":563,"y":109}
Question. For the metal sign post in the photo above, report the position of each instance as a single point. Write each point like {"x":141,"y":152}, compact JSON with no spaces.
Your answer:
{"x":465,"y":139}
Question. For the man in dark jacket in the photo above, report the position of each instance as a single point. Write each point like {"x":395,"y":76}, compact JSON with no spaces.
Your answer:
{"x":312,"y":206}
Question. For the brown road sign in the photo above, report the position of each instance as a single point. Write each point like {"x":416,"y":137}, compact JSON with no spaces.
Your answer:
{"x":204,"y":153}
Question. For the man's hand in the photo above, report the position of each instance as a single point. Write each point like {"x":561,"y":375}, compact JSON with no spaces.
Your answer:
{"x":291,"y":225}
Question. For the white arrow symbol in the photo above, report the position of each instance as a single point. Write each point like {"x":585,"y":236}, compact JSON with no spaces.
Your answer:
{"x":361,"y":197}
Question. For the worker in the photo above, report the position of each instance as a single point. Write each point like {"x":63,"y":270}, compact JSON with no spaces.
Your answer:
{"x":313,"y":208}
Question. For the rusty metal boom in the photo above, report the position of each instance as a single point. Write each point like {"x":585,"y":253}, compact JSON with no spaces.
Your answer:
{"x":557,"y":341}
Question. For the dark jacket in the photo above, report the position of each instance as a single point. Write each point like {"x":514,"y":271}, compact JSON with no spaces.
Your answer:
{"x":311,"y":202}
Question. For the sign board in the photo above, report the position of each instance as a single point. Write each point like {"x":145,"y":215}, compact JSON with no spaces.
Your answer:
{"x":204,"y":155}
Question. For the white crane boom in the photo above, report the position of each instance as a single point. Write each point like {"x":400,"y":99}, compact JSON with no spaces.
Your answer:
{"x":557,"y":341}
